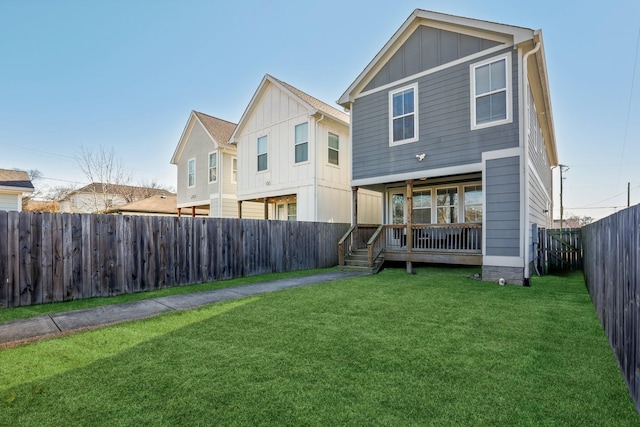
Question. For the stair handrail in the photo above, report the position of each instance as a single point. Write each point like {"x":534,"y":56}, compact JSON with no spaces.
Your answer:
{"x":375,"y":245}
{"x":341,"y":246}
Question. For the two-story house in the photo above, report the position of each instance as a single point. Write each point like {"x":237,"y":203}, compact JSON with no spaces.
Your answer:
{"x":294,"y":158}
{"x":208,"y":169}
{"x":451,"y":122}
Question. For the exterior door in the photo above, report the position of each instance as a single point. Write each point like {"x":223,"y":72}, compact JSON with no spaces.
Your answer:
{"x":397,"y":210}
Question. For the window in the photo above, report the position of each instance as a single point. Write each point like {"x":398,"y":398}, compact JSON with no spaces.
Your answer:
{"x":292,"y":211}
{"x":263,"y":146}
{"x":490,"y":103}
{"x":302,"y":142}
{"x":421,"y":210}
{"x":473,"y":203}
{"x":191,"y":174}
{"x":334,"y":149}
{"x":213,"y":167}
{"x":234,"y":169}
{"x":447,"y":204}
{"x":403,"y":107}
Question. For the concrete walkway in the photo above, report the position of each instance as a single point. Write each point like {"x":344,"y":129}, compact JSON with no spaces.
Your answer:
{"x":31,"y":329}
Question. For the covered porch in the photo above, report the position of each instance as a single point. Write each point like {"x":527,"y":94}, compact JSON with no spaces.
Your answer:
{"x":439,"y":221}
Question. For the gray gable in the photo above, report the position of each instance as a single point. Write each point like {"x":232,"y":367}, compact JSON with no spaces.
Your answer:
{"x":427,"y":48}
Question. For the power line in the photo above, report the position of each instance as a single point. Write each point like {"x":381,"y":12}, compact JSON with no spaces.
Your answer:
{"x":626,"y":127}
{"x":36,"y":150}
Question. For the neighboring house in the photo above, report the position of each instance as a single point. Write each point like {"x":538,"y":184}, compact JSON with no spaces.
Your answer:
{"x":99,"y":197}
{"x":452,"y":122}
{"x":158,"y":205}
{"x":13,"y":184}
{"x":207,"y":168}
{"x":294,"y":158}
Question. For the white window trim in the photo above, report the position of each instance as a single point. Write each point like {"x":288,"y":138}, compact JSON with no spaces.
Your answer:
{"x":295,"y":144}
{"x":209,"y":167}
{"x":189,"y":173}
{"x":436,"y":207}
{"x":508,"y":73}
{"x":416,"y":132}
{"x":267,"y":153}
{"x":234,"y":181}
{"x":330,"y":148}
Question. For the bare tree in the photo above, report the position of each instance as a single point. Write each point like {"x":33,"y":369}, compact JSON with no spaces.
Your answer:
{"x":105,"y":171}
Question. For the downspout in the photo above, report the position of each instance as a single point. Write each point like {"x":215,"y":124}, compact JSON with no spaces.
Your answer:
{"x":524,"y":94}
{"x":315,"y":170}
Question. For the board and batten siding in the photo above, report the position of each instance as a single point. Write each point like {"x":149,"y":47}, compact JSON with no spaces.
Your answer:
{"x":198,"y":146}
{"x":502,"y":215}
{"x":445,"y":134}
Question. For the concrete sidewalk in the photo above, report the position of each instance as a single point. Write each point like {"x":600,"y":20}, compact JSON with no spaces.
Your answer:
{"x":26,"y":330}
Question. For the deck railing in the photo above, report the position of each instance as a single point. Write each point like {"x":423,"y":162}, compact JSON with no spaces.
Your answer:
{"x":376,"y":245}
{"x":436,"y":237}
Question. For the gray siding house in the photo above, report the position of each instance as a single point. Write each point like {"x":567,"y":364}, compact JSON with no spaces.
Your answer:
{"x":451,"y":122}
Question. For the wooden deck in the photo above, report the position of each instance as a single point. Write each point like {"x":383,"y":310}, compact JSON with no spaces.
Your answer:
{"x":459,"y":244}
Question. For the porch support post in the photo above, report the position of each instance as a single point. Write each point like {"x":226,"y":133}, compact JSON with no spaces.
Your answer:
{"x":354,"y":205}
{"x":240,"y":209}
{"x":409,"y":222}
{"x":266,"y":208}
{"x":179,"y":212}
{"x":193,"y":211}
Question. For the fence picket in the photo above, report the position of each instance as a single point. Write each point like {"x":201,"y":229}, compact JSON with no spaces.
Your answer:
{"x":58,"y":257}
{"x":611,"y":269}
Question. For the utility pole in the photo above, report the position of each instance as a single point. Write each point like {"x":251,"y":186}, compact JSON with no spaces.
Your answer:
{"x":628,"y":194}
{"x":562,"y":169}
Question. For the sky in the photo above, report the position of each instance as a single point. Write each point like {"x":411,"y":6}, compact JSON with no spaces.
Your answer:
{"x":125,"y":75}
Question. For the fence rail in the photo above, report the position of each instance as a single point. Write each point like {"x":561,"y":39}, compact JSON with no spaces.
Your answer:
{"x":612,"y":275}
{"x":49,"y":257}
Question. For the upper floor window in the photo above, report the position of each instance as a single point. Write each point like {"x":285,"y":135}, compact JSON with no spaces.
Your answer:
{"x":213,"y":167}
{"x":490,"y":93}
{"x":191,"y":173}
{"x":263,"y":146}
{"x":234,"y":169}
{"x":403,"y":109}
{"x":302,"y":142}
{"x":334,"y":149}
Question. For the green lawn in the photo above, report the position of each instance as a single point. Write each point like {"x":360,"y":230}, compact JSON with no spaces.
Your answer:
{"x":434,"y":348}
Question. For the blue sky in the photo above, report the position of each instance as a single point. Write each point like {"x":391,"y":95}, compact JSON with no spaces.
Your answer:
{"x":126,"y":74}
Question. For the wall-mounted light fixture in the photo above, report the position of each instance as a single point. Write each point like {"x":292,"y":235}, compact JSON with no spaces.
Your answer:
{"x":420,"y":157}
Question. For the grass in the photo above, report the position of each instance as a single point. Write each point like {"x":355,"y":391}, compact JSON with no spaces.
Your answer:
{"x":434,"y":348}
{"x":59,"y":307}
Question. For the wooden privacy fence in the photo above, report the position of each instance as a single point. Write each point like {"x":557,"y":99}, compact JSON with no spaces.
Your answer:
{"x":612,"y":274}
{"x":560,"y":249}
{"x":48,"y":257}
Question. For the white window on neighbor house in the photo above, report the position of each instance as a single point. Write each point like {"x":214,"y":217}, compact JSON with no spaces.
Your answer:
{"x":447,"y":205}
{"x":263,"y":147}
{"x":334,"y":149}
{"x":421,"y":208}
{"x":234,"y":170}
{"x":403,"y":115}
{"x":292,"y":211}
{"x":491,"y":92}
{"x":191,"y":173}
{"x":473,"y":203}
{"x":213,"y":167}
{"x":302,"y":142}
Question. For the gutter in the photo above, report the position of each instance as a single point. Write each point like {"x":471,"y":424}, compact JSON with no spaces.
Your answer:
{"x":524,"y":96}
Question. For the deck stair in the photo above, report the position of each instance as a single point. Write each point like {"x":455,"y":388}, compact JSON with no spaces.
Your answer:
{"x":358,"y":260}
